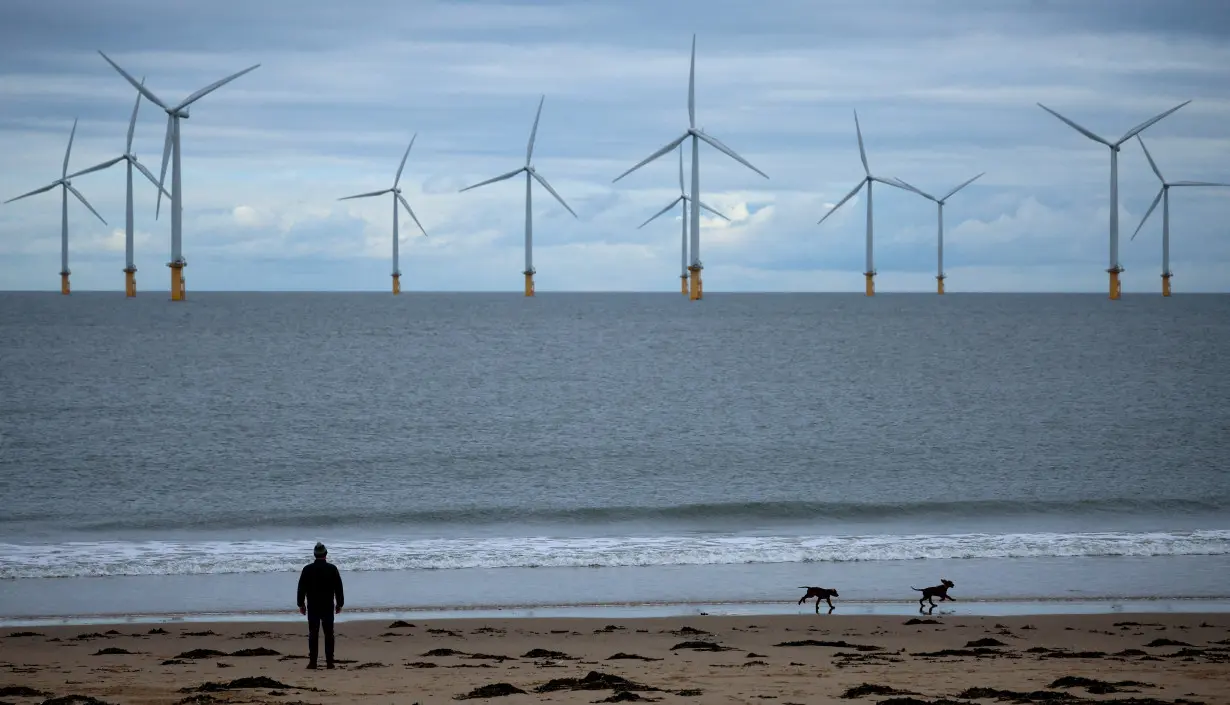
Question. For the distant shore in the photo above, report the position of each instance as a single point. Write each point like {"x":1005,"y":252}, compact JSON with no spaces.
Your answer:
{"x":1170,"y":658}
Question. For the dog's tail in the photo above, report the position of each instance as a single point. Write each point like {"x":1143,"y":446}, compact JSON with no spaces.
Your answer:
{"x":914,"y":588}
{"x":804,"y":587}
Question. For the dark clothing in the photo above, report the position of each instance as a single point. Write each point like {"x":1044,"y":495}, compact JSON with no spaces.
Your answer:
{"x":316,"y":620}
{"x":320,"y":584}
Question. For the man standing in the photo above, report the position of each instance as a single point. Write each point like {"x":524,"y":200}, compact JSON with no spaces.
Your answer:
{"x":320,"y":583}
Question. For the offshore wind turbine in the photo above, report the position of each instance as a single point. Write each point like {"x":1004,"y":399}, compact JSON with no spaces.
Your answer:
{"x":1115,"y":267}
{"x":870,"y":271}
{"x":130,"y":269}
{"x":530,"y":173}
{"x":171,"y":149}
{"x":397,"y":198}
{"x":67,"y":187}
{"x":683,"y":199}
{"x":1163,"y":195}
{"x":697,"y":136}
{"x":939,"y":202}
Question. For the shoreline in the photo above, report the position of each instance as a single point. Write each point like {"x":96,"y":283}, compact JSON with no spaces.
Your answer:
{"x":1162,"y":659}
{"x":972,"y":608}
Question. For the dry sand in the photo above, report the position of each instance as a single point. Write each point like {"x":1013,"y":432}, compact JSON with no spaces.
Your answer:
{"x":1171,"y":659}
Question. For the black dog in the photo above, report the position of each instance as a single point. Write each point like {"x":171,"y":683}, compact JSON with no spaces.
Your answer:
{"x":930,"y":593}
{"x":825,"y":594}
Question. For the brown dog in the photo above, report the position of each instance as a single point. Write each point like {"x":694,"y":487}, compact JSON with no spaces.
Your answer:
{"x":930,"y":593}
{"x":825,"y":594}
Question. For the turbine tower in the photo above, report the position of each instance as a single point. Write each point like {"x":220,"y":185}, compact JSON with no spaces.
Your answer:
{"x":397,"y":198}
{"x":870,"y":272}
{"x":697,"y":136}
{"x":1163,"y":195}
{"x":530,"y":173}
{"x":683,"y":199}
{"x":1115,"y":268}
{"x":67,"y":187}
{"x":130,"y":269}
{"x":939,"y":202}
{"x":171,"y":149}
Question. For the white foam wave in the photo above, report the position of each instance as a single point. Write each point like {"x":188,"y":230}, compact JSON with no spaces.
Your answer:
{"x":90,"y":559}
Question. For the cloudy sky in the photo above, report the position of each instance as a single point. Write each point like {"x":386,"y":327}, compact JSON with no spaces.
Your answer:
{"x":944,"y":90}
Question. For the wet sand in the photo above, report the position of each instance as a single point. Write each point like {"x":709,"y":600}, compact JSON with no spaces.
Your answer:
{"x":778,"y":659}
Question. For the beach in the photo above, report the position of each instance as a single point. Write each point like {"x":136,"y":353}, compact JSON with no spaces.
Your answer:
{"x":1152,"y":658}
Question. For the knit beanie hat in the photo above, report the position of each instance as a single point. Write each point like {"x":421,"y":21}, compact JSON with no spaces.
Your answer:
{"x":320,"y":551}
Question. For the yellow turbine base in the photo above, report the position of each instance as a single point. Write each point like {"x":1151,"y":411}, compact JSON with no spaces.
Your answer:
{"x":64,"y":287}
{"x":130,"y":284}
{"x":683,"y":285}
{"x":1115,"y":287}
{"x":396,"y":284}
{"x":871,"y":283}
{"x":529,"y":283}
{"x":697,"y":292}
{"x":177,"y":282}
{"x":939,"y":285}
{"x":1166,"y":284}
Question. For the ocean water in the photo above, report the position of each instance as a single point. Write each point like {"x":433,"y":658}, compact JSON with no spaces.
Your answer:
{"x":487,"y":451}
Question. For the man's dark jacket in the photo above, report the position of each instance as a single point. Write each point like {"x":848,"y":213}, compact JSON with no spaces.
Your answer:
{"x":320,"y":582}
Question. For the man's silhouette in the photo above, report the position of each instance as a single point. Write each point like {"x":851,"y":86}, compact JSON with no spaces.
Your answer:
{"x":320,"y":584}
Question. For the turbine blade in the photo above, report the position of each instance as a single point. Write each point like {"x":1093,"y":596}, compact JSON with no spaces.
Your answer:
{"x":954,"y":191}
{"x":1150,"y":158}
{"x":139,"y":86}
{"x":132,"y":124}
{"x":141,"y":168}
{"x":889,"y":182}
{"x":397,"y":178}
{"x":1141,"y":127}
{"x":655,"y":215}
{"x":166,"y":154}
{"x":1198,"y":183}
{"x":84,"y":202}
{"x":900,"y":183}
{"x":96,"y":167}
{"x":547,"y":186}
{"x":71,"y":135}
{"x":653,"y":156}
{"x":412,"y":215}
{"x":35,"y":192}
{"x":501,"y":177}
{"x":1076,"y":127}
{"x":729,"y":152}
{"x":692,"y":87}
{"x":862,"y":153}
{"x":711,"y":210}
{"x":842,"y":202}
{"x":529,"y":148}
{"x":681,"y":189}
{"x":367,"y":195}
{"x":213,"y":87}
{"x":1149,"y":212}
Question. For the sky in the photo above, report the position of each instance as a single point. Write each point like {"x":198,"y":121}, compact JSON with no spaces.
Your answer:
{"x":943,"y":90}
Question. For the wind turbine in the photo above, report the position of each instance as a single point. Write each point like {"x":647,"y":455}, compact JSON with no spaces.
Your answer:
{"x":67,"y":187}
{"x":130,"y":269}
{"x":684,"y":199}
{"x":870,"y":272}
{"x":1163,"y":195}
{"x":939,"y":202}
{"x":1115,"y":268}
{"x":396,"y":197}
{"x":530,"y":173}
{"x":697,"y":137}
{"x":171,"y":149}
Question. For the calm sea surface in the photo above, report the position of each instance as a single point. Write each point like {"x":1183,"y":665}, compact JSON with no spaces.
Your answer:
{"x":462,"y":450}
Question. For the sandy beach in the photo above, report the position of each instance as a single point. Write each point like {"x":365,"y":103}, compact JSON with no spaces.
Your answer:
{"x":1139,"y":659}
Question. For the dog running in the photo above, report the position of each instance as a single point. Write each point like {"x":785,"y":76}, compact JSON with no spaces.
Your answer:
{"x":825,"y":594}
{"x":930,"y":593}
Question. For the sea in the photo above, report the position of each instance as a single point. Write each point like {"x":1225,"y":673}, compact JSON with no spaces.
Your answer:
{"x":589,"y":453}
